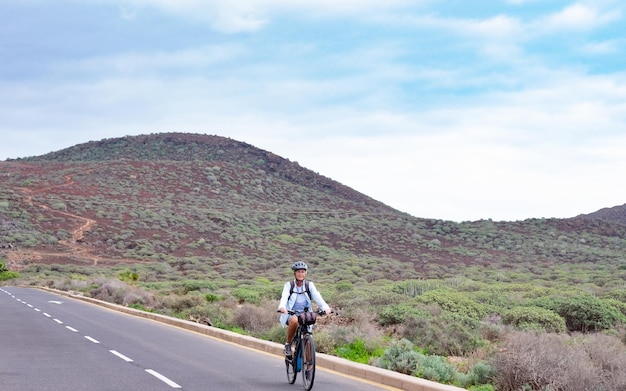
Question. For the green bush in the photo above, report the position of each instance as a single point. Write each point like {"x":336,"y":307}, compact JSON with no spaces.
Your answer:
{"x":584,"y":312}
{"x":7,"y":275}
{"x":482,"y":387}
{"x":212,"y":297}
{"x":617,"y":294}
{"x":436,"y":368}
{"x":357,"y":351}
{"x":247,"y":294}
{"x":456,"y":302}
{"x":534,"y":318}
{"x":446,"y":335}
{"x":482,"y":373}
{"x":400,"y":357}
{"x":398,"y":313}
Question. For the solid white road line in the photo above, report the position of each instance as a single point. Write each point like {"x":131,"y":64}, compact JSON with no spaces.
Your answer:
{"x":163,"y":378}
{"x":120,"y":355}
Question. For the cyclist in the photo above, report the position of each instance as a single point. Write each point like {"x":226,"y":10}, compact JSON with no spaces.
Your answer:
{"x":298,"y":299}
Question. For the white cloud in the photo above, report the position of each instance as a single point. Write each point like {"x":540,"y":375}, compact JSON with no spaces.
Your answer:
{"x":251,"y":15}
{"x":492,"y":129}
{"x":601,"y":48}
{"x":578,"y":17}
{"x":499,"y":27}
{"x":146,"y":63}
{"x":504,"y":156}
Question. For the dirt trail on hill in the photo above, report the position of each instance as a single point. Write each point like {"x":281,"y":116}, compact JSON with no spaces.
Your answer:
{"x":19,"y":258}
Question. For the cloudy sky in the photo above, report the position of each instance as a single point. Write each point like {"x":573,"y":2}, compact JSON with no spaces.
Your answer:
{"x":450,"y":109}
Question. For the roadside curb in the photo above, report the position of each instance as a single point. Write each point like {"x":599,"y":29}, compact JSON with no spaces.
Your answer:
{"x":363,"y":371}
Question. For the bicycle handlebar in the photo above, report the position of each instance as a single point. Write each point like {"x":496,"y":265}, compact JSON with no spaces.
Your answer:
{"x":319,"y":312}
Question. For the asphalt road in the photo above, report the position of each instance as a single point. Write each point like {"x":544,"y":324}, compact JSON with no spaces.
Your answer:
{"x":51,"y":342}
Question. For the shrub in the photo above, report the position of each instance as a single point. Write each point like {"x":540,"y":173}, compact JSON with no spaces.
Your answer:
{"x":436,"y":368}
{"x":400,"y":357}
{"x":617,"y":294}
{"x":277,"y":333}
{"x":4,"y":276}
{"x":456,"y":302}
{"x":128,"y":276}
{"x":481,"y":373}
{"x":398,"y":313}
{"x":357,"y":351}
{"x":584,"y":312}
{"x":445,"y":335}
{"x":118,"y":292}
{"x":323,"y":342}
{"x":212,"y":297}
{"x":534,"y":318}
{"x":542,"y":361}
{"x":246,"y":294}
{"x":481,"y":387}
{"x":181,"y":304}
{"x":255,"y":319}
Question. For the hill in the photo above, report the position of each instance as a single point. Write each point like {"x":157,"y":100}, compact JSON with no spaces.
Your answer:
{"x":186,"y":198}
{"x":616,"y":214}
{"x":205,"y":228}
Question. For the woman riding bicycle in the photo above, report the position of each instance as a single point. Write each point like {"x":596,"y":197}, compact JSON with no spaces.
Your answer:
{"x":297,"y":296}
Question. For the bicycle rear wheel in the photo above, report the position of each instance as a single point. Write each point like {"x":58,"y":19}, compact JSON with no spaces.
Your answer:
{"x":308,"y":361}
{"x":290,"y":364}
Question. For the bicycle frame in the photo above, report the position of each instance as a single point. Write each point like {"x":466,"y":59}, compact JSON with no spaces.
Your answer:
{"x":302,"y":361}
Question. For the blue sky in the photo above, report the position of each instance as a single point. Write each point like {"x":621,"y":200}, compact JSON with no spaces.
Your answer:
{"x":446,"y":109}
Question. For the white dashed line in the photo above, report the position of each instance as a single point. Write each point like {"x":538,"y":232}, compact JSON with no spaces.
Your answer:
{"x":91,"y":339}
{"x":163,"y":378}
{"x":120,"y":355}
{"x":152,"y":372}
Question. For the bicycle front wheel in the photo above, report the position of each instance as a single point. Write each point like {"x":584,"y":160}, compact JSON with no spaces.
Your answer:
{"x":308,"y":361}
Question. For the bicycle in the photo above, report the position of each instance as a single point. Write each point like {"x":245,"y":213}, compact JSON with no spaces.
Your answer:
{"x":303,"y":358}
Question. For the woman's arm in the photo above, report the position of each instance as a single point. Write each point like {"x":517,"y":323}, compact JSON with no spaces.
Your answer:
{"x":316,"y":296}
{"x":284,"y":297}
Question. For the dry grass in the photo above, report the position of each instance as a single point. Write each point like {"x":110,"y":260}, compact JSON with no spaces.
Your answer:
{"x":256,"y":319}
{"x":560,"y":362}
{"x":119,"y":292}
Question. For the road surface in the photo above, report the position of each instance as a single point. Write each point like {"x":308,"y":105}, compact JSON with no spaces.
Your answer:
{"x":50,"y":342}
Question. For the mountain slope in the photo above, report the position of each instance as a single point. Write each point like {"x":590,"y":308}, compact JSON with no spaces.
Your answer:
{"x":616,"y":214}
{"x":186,"y":147}
{"x":197,"y":202}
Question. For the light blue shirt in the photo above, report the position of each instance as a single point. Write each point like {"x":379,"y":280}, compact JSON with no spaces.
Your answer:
{"x":298,"y":301}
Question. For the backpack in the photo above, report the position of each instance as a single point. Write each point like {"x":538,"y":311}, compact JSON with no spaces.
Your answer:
{"x":306,"y":288}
